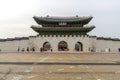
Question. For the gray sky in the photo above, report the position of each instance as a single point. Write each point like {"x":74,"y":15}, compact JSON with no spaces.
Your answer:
{"x":16,"y":15}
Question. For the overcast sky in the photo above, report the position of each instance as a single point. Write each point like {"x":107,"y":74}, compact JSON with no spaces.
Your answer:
{"x":16,"y":15}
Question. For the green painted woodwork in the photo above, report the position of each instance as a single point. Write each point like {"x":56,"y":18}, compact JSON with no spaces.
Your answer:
{"x":56,"y":26}
{"x":61,"y":33}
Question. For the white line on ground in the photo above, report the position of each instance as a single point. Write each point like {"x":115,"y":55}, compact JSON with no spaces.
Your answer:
{"x":43,"y":59}
{"x":28,"y":71}
{"x":60,"y":69}
{"x":60,"y":58}
{"x":31,"y":77}
{"x":117,"y":72}
{"x":87,"y":67}
{"x":18,"y":77}
{"x":78,"y":77}
{"x":50,"y":72}
{"x":71,"y":66}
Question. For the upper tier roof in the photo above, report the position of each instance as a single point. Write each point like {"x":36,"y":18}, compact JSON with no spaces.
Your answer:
{"x":44,"y":20}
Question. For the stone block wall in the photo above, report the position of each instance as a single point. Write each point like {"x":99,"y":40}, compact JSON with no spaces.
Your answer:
{"x":89,"y":43}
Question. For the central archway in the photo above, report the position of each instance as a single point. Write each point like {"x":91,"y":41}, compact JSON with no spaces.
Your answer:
{"x":78,"y":46}
{"x":62,"y":46}
{"x":46,"y":46}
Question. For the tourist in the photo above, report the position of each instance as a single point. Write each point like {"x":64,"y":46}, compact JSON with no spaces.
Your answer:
{"x":119,"y":49}
{"x":23,"y":49}
{"x":18,"y":49}
{"x":27,"y":49}
{"x":109,"y":50}
{"x":41,"y":49}
{"x":106,"y":50}
{"x":51,"y":49}
{"x":33,"y":49}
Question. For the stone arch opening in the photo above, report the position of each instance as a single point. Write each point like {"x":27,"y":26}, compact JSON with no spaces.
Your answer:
{"x":46,"y":46}
{"x":78,"y":46}
{"x":62,"y":46}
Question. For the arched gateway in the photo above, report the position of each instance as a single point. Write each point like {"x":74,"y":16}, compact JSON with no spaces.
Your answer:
{"x":78,"y":46}
{"x":62,"y":46}
{"x":46,"y":46}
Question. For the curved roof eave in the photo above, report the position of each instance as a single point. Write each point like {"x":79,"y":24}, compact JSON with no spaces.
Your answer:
{"x":41,"y":20}
{"x":40,"y":29}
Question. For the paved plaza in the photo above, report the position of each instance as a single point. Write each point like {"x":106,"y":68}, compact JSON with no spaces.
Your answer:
{"x":59,"y":66}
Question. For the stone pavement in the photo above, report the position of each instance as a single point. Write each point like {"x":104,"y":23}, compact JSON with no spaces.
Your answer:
{"x":36,"y":71}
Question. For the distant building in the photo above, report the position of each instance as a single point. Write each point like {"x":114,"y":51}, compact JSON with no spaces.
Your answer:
{"x":61,"y":34}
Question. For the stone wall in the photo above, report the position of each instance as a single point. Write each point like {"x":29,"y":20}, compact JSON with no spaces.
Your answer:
{"x":54,"y":40}
{"x":90,"y":43}
{"x":104,"y":44}
{"x":12,"y":46}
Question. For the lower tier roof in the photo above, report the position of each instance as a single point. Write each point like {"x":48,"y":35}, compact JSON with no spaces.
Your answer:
{"x":62,"y":30}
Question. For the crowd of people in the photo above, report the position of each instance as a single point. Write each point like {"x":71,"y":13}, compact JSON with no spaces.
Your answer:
{"x":26,"y":50}
{"x":33,"y":49}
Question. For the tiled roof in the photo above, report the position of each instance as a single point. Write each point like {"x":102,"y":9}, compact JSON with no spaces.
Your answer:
{"x":104,"y":38}
{"x":66,"y":19}
{"x":16,"y":38}
{"x":62,"y":19}
{"x":86,"y":29}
